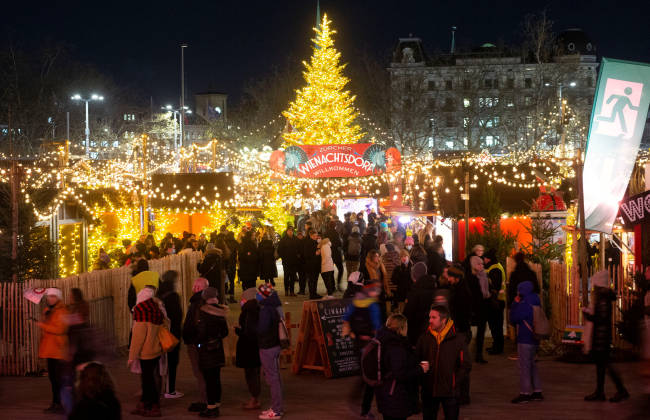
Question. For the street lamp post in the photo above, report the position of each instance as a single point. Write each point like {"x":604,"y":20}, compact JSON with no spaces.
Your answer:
{"x":559,"y":86}
{"x":92,"y":98}
{"x":183,"y":46}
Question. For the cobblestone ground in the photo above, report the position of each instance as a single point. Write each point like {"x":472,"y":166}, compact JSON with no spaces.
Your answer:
{"x":311,"y":396}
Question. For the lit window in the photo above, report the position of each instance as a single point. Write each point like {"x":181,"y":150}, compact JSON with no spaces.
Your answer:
{"x":431,"y":124}
{"x":430,"y":141}
{"x":449,"y":144}
{"x":465,"y":122}
{"x":466,"y":102}
{"x":93,"y":155}
{"x":124,"y":117}
{"x":489,"y":140}
{"x":465,"y":141}
{"x":116,"y":143}
{"x":496,"y":121}
{"x":529,"y":100}
{"x":529,"y":122}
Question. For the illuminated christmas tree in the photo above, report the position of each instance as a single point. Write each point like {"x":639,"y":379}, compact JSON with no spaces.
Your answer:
{"x":323,"y":111}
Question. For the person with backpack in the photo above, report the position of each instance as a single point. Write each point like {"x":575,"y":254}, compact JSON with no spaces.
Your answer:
{"x":397,"y":393}
{"x":210,"y":266}
{"x":248,"y":351}
{"x":391,"y":260}
{"x":212,"y":328}
{"x":522,"y":316}
{"x":361,"y":321}
{"x":352,"y":251}
{"x":268,"y":339}
{"x":446,"y":352}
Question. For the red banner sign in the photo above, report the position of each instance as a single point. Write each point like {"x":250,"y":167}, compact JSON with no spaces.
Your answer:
{"x":335,"y":160}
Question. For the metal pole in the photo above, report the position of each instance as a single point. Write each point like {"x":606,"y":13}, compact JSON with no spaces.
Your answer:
{"x":563,"y":148}
{"x":466,"y":208}
{"x":87,"y":132}
{"x":67,"y":118}
{"x":182,"y":89}
{"x":175,"y":133}
{"x":583,"y":234}
{"x":15,"y":185}
{"x":145,"y":185}
{"x":214,"y":155}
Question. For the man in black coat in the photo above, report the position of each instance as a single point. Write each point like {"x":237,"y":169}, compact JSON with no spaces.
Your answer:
{"x":361,"y":223}
{"x":302,"y":273}
{"x":336,"y":245}
{"x":289,"y":250}
{"x":368,"y":242}
{"x":190,"y":332}
{"x":233,"y":247}
{"x":460,"y":307}
{"x":419,"y":301}
{"x":312,"y":264}
{"x":248,"y":255}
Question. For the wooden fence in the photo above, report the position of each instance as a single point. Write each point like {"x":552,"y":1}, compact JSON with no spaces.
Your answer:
{"x":20,"y":338}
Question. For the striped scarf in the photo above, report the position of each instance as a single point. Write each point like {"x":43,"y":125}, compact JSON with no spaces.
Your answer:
{"x":148,"y":311}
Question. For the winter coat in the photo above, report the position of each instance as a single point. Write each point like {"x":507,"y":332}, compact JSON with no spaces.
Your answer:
{"x":601,"y":336}
{"x":352,"y":238}
{"x":267,"y":328}
{"x":289,"y":249}
{"x":249,"y":268}
{"x":172,"y":303}
{"x":391,"y":261}
{"x":402,"y":280}
{"x":348,"y":225}
{"x":54,"y":333}
{"x":104,"y":406}
{"x":268,"y":268}
{"x":139,"y":282}
{"x":460,"y":306}
{"x":336,"y":244}
{"x":474,"y":286}
{"x":435,"y":263}
{"x":398,"y":394}
{"x":210,"y":267}
{"x":368,"y":242}
{"x":418,"y":306}
{"x":521,"y":313}
{"x":189,"y":327}
{"x":211,"y":325}
{"x":449,"y":363}
{"x":361,"y":224}
{"x":145,"y":343}
{"x":233,"y":247}
{"x":326,"y":262}
{"x":312,"y":261}
{"x":520,"y":274}
{"x":248,"y":352}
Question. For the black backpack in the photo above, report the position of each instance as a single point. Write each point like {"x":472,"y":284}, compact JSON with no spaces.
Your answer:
{"x":354,"y":247}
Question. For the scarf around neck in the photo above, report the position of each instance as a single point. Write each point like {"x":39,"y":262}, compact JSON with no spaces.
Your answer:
{"x":148,"y":311}
{"x":441,"y":336}
{"x":372,"y":270}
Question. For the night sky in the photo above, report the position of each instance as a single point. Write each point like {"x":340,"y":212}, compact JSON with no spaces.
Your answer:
{"x":229,"y":42}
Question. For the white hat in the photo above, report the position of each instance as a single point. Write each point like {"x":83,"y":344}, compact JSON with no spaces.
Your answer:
{"x":53,"y":291}
{"x":600,"y":279}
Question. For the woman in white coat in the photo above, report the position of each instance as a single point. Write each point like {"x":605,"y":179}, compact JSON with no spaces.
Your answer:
{"x":327,"y":266}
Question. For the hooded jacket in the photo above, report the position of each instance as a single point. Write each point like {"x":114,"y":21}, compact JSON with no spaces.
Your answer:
{"x":520,"y":274}
{"x":398,"y":394}
{"x":268,"y":268}
{"x":289,"y":249}
{"x":312,"y":261}
{"x":418,"y":305}
{"x":335,"y":243}
{"x":449,"y":363}
{"x":54,"y":333}
{"x":521,"y":313}
{"x":210,"y":267}
{"x":211,"y":326}
{"x":248,"y":352}
{"x":172,"y":304}
{"x":601,"y":336}
{"x":248,"y":260}
{"x":326,"y":261}
{"x":267,"y":328}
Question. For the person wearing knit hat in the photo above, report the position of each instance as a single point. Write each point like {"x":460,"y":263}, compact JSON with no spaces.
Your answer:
{"x":598,"y":337}
{"x":418,"y":270}
{"x":209,"y":293}
{"x":355,"y":229}
{"x":402,"y":279}
{"x":248,"y":351}
{"x":456,"y":271}
{"x":408,"y":243}
{"x":269,"y":343}
{"x":54,"y":344}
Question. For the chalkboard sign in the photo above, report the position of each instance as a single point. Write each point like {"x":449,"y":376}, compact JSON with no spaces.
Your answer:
{"x":340,"y":350}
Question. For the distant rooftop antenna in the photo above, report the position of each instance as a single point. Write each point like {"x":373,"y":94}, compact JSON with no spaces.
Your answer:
{"x":453,"y":39}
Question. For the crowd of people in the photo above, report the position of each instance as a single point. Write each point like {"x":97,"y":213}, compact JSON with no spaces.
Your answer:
{"x":406,"y":297}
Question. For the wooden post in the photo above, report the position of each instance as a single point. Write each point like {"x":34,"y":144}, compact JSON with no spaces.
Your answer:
{"x":583,"y":233}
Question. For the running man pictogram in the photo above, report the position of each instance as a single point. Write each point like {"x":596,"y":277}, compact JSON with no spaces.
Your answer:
{"x":617,"y":111}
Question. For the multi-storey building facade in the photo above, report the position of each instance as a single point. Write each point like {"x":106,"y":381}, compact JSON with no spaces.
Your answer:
{"x":492,"y":97}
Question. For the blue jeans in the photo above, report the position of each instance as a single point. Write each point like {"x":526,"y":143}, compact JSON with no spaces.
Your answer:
{"x":271,"y":365}
{"x":528,"y":368}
